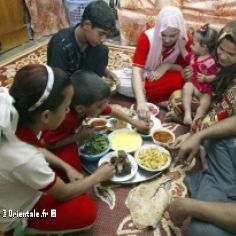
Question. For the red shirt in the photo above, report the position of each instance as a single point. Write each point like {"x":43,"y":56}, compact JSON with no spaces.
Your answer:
{"x":142,"y":49}
{"x":26,"y":135}
{"x":69,"y":126}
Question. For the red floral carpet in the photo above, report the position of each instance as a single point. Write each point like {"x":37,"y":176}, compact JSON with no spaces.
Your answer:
{"x":113,"y":215}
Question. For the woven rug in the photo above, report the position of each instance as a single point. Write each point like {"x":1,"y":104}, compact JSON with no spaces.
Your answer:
{"x":113,"y":215}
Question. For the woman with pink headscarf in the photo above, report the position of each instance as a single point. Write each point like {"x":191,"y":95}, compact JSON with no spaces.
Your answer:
{"x":157,"y":61}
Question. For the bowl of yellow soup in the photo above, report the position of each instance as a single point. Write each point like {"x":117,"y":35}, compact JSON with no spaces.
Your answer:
{"x":125,"y":139}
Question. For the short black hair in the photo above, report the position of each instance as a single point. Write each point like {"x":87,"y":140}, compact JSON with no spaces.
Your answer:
{"x":100,"y":15}
{"x":88,"y":88}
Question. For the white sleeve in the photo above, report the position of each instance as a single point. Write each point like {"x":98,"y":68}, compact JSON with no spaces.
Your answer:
{"x":35,"y":173}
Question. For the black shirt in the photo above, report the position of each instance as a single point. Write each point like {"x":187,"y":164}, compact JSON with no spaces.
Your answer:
{"x":64,"y":52}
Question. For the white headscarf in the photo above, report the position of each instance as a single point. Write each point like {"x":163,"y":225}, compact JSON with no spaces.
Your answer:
{"x":8,"y":115}
{"x":168,"y":17}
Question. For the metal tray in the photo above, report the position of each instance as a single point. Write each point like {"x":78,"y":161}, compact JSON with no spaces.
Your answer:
{"x":141,"y":176}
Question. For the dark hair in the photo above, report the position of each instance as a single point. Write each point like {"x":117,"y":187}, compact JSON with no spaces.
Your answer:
{"x":226,"y":75}
{"x":100,"y":15}
{"x":88,"y":88}
{"x":208,"y":37}
{"x":29,"y":85}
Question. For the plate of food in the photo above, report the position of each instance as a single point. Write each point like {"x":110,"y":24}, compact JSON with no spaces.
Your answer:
{"x":125,"y":139}
{"x":99,"y":124}
{"x":152,"y":157}
{"x":125,"y":165}
{"x":154,"y":123}
{"x":163,"y":136}
{"x":96,"y":147}
{"x":114,"y":124}
{"x":154,"y":109}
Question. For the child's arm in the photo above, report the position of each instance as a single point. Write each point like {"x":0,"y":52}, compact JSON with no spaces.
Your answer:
{"x":66,"y":191}
{"x":58,"y":163}
{"x":206,"y":78}
{"x":84,"y":132}
{"x":142,"y":125}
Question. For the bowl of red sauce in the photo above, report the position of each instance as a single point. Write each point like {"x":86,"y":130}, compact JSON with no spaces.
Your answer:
{"x":163,"y":136}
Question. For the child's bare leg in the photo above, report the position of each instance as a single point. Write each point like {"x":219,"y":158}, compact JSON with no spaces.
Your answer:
{"x":203,"y":157}
{"x":187,"y":100}
{"x":205,"y":102}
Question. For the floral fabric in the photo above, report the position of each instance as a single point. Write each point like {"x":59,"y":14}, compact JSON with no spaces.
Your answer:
{"x":220,"y":110}
{"x":215,"y":12}
{"x":47,"y":17}
{"x":136,"y":16}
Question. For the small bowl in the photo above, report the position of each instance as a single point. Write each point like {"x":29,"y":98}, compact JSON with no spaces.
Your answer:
{"x":163,"y":137}
{"x":96,"y":156}
{"x":99,"y":124}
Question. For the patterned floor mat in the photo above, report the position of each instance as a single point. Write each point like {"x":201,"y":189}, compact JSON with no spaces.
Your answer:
{"x":113,"y":215}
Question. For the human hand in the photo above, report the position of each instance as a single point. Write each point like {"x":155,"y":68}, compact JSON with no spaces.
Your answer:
{"x":143,"y":111}
{"x":178,"y":210}
{"x":85,"y":132}
{"x":182,"y":42}
{"x":188,"y":72}
{"x":188,"y":148}
{"x":105,"y":172}
{"x":159,"y":72}
{"x":73,"y":174}
{"x":201,"y":78}
{"x":142,"y":125}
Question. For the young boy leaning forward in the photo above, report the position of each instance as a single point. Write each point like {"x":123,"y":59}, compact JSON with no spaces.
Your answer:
{"x":91,"y":95}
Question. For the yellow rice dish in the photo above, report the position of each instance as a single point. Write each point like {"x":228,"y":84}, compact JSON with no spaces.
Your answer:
{"x":125,"y":139}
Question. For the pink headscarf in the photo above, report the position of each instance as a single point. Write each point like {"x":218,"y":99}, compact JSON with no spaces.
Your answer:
{"x":167,"y":17}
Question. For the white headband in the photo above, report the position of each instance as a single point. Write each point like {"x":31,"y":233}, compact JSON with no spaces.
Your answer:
{"x":47,"y":90}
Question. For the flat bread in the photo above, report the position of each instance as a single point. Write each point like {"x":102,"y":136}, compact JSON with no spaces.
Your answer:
{"x":147,"y":203}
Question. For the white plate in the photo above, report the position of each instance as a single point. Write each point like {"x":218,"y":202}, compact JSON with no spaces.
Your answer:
{"x":154,"y":109}
{"x":125,"y":139}
{"x":156,"y":125}
{"x":115,"y":178}
{"x":111,"y":124}
{"x":159,"y":148}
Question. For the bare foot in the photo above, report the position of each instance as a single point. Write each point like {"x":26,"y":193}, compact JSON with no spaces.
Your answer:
{"x":196,"y":118}
{"x":187,"y":120}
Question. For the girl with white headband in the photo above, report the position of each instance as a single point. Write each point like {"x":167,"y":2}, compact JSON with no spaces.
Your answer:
{"x":41,"y":96}
{"x":157,"y":62}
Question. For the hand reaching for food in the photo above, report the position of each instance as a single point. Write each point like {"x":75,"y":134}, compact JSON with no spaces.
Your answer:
{"x":142,"y":125}
{"x":85,"y":132}
{"x":105,"y":172}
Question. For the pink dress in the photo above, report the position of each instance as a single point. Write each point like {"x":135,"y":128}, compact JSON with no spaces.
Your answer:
{"x":206,"y":66}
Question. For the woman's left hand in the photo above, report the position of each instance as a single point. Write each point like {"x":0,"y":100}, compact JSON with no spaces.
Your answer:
{"x":73,"y":174}
{"x":159,"y":72}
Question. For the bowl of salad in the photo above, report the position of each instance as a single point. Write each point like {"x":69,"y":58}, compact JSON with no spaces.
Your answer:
{"x":95,"y":147}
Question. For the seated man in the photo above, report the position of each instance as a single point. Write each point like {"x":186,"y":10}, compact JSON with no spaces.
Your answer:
{"x":213,"y":191}
{"x":80,"y":47}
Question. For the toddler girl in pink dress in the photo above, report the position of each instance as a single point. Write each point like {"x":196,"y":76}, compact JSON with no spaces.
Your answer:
{"x":200,"y":73}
